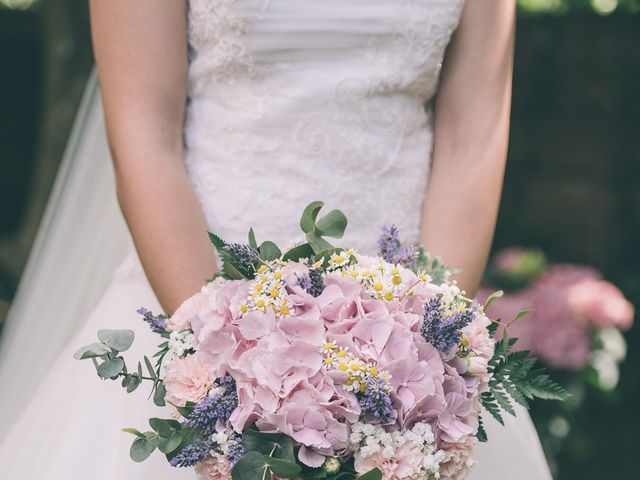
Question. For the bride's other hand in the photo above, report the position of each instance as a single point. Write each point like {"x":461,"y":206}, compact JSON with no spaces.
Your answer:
{"x":471,"y":135}
{"x":141,"y":54}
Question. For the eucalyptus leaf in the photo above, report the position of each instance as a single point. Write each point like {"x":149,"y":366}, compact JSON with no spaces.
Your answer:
{"x":333,"y":224}
{"x":162,"y":427}
{"x":318,"y":244}
{"x":269,"y":251}
{"x":186,"y":410}
{"x":142,"y":448}
{"x":135,"y":432}
{"x":111,"y":368}
{"x":170,"y":444}
{"x":119,"y":340}
{"x":309,"y":215}
{"x":93,"y":350}
{"x":159,"y":394}
{"x":150,"y":369}
{"x":133,"y":383}
{"x":251,"y":466}
{"x":298,"y":252}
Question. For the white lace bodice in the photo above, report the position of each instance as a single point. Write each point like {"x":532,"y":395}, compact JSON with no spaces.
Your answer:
{"x":300,"y":100}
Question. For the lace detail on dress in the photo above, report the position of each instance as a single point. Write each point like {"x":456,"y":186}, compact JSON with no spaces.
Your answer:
{"x":300,"y":100}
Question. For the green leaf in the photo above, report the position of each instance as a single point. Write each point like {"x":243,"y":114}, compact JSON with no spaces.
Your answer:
{"x":133,"y":383}
{"x":188,"y":435}
{"x":93,"y":350}
{"x":251,"y":466}
{"x":135,"y":432}
{"x":216,"y":241}
{"x":169,"y":432}
{"x":318,"y":244}
{"x":186,"y":410}
{"x":541,"y":386}
{"x":298,"y":252}
{"x":374,"y":474}
{"x":522,"y":314}
{"x":170,"y":444}
{"x":119,"y":340}
{"x":159,"y":394}
{"x":142,"y":448}
{"x":252,"y":239}
{"x":232,"y":272}
{"x":503,"y":400}
{"x":277,"y":445}
{"x":283,"y":468}
{"x":491,"y":406}
{"x":152,"y":372}
{"x":481,"y":434}
{"x":309,"y":215}
{"x":495,"y":295}
{"x":161,"y":426}
{"x":269,"y":251}
{"x":110,"y":368}
{"x":333,"y":224}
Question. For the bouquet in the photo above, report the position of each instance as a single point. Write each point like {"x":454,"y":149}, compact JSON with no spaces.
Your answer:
{"x":323,"y":363}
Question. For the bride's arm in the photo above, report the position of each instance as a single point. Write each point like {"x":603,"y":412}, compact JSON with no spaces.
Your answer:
{"x":141,"y":54}
{"x":471,"y":135}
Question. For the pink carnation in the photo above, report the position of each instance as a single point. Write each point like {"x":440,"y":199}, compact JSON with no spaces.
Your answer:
{"x":181,"y":319}
{"x":188,"y":380}
{"x":601,"y":303}
{"x":459,"y":460}
{"x":214,"y":467}
{"x":405,"y":463}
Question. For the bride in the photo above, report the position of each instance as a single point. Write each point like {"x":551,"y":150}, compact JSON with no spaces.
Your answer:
{"x":225,"y":114}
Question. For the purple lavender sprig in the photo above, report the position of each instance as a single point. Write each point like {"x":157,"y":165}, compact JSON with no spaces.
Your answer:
{"x":440,"y":330}
{"x":158,"y":323}
{"x":312,"y":282}
{"x":192,"y":453}
{"x":235,"y":448}
{"x":375,"y":401}
{"x":215,"y":407}
{"x":392,"y":250}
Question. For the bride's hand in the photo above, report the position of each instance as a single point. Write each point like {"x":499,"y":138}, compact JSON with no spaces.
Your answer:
{"x":471,"y":136}
{"x":141,"y":54}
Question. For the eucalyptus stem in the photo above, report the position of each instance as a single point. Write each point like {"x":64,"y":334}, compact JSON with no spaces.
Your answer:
{"x":122,"y":374}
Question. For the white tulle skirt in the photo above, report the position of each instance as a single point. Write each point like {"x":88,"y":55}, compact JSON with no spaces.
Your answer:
{"x":71,"y":429}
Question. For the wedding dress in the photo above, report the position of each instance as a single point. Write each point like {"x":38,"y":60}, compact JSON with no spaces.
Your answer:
{"x":289,"y":101}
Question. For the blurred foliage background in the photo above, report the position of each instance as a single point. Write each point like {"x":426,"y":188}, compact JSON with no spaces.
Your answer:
{"x":572,"y":186}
